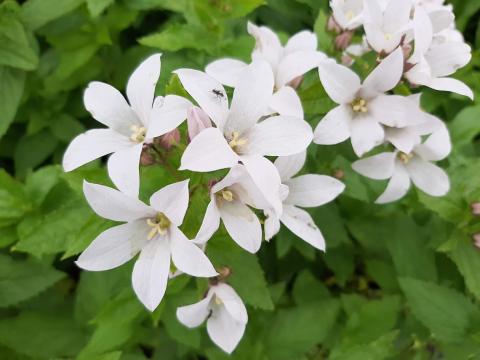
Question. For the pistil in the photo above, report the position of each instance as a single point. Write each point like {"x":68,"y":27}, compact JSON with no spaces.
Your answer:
{"x":138,"y":133}
{"x":359,"y":105}
{"x":159,"y":224}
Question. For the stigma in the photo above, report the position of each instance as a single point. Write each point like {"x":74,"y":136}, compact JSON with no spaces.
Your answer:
{"x":159,"y":224}
{"x":236,"y":141}
{"x":138,"y":133}
{"x":405,"y":158}
{"x":226,"y":195}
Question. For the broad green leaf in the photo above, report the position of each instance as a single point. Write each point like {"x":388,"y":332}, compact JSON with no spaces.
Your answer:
{"x":37,"y":13}
{"x":39,"y":183}
{"x":380,"y":349}
{"x":444,"y":311}
{"x":307,"y":289}
{"x":12,"y":82}
{"x":465,"y":126}
{"x":21,"y":280}
{"x":14,"y":202}
{"x":467,"y":258}
{"x":96,"y":7}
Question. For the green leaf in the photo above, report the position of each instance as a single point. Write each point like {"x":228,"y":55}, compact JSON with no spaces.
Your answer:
{"x":380,"y":349}
{"x":21,"y":280}
{"x":308,"y":289}
{"x":37,"y":13}
{"x":39,"y":183}
{"x":96,"y":7}
{"x":444,"y":311}
{"x":465,"y":126}
{"x":14,"y":202}
{"x":12,"y":82}
{"x":467,"y":258}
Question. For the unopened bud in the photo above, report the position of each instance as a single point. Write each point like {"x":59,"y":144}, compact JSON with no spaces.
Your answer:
{"x":332,"y":25}
{"x":224,"y":272}
{"x":476,"y":240}
{"x":347,"y":60}
{"x":146,"y":159}
{"x":339,"y":174}
{"x":197,"y":120}
{"x":343,"y":40}
{"x":169,"y":139}
{"x":407,"y":50}
{"x":476,"y":208}
{"x":295,"y":83}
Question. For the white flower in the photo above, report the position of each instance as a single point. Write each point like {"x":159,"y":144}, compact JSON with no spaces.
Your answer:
{"x":240,"y":136}
{"x":129,"y":126}
{"x":152,"y":231}
{"x":385,"y":29}
{"x":301,"y":192}
{"x":231,"y":200}
{"x":434,"y":63}
{"x":363,"y":108}
{"x":347,"y":13}
{"x":225,"y":313}
{"x":287,"y":62}
{"x":401,"y":168}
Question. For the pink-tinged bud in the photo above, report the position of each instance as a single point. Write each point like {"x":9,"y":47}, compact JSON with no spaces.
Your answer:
{"x":343,"y":40}
{"x":476,"y":208}
{"x":332,"y":25}
{"x":295,"y":83}
{"x":197,"y":120}
{"x":146,"y":159}
{"x":169,"y":139}
{"x":407,"y":50}
{"x":347,"y":60}
{"x":476,"y":240}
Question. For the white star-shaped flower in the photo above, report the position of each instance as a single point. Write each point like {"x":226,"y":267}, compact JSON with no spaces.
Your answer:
{"x":151,"y":231}
{"x":224,"y":312}
{"x":130,"y":125}
{"x":347,"y":13}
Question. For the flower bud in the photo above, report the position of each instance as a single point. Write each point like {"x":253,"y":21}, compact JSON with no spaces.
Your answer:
{"x":475,"y":208}
{"x":146,"y":159}
{"x":169,"y":139}
{"x":476,"y":240}
{"x":295,"y":83}
{"x":197,"y":120}
{"x":347,"y":60}
{"x":343,"y":40}
{"x":332,"y":25}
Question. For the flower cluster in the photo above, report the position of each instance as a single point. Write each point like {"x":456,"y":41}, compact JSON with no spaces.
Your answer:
{"x":263,"y":120}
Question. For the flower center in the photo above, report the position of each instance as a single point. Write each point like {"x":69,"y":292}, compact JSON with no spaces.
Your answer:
{"x":138,"y":133}
{"x":159,"y":224}
{"x":388,"y":37}
{"x":235,"y":140}
{"x":350,"y":15}
{"x":217,"y":300}
{"x":405,"y":158}
{"x":226,"y":195}
{"x":359,"y":105}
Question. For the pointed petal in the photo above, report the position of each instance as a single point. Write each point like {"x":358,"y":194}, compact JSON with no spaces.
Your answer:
{"x":141,"y":87}
{"x":210,"y":224}
{"x":123,"y":169}
{"x":188,"y":257}
{"x":395,"y":111}
{"x":300,"y":223}
{"x":92,"y":145}
{"x":267,"y":47}
{"x":271,"y":225}
{"x":114,"y":246}
{"x":114,"y":205}
{"x":279,"y":136}
{"x":366,"y":134}
{"x":286,"y":102}
{"x":403,"y":139}
{"x":297,"y":64}
{"x":451,"y":85}
{"x":168,"y":115}
{"x":397,"y":186}
{"x":200,"y":86}
{"x":226,"y":71}
{"x":437,"y":147}
{"x":288,"y":166}
{"x":428,"y":177}
{"x":378,"y":167}
{"x":107,"y":105}
{"x":334,"y":128}
{"x":302,"y":41}
{"x":340,"y":83}
{"x":150,"y":273}
{"x":194,"y":315}
{"x":208,"y":151}
{"x":251,"y":97}
{"x":172,"y":200}
{"x":423,"y":33}
{"x":242,"y":225}
{"x":224,"y":330}
{"x":386,"y":75}
{"x":232,"y":302}
{"x":313,"y":190}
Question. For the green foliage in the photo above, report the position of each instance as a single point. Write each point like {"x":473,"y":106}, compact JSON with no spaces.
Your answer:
{"x":400,"y":281}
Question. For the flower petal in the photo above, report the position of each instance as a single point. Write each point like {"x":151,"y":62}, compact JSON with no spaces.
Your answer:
{"x":226,"y":71}
{"x":172,"y":200}
{"x":279,"y":136}
{"x":395,"y":111}
{"x":108,"y":106}
{"x":141,"y":87}
{"x":224,"y":330}
{"x":428,"y":177}
{"x":210,"y":224}
{"x":366,"y":134}
{"x":300,"y":223}
{"x":313,"y":190}
{"x":242,"y":225}
{"x":251,"y":97}
{"x":334,"y":128}
{"x":92,"y":145}
{"x":188,"y":257}
{"x":302,"y":41}
{"x":437,"y":147}
{"x":288,"y":166}
{"x":150,"y":273}
{"x":169,"y":114}
{"x":385,"y":76}
{"x":267,"y":47}
{"x":232,"y":302}
{"x":378,"y":167}
{"x":201,"y":87}
{"x":114,"y":246}
{"x":271,"y":225}
{"x":194,"y":315}
{"x":297,"y":64}
{"x":340,"y":83}
{"x":208,"y":151}
{"x":123,"y":169}
{"x":114,"y":205}
{"x":286,"y":102}
{"x":397,"y":186}
{"x":451,"y":85}
{"x":403,"y":139}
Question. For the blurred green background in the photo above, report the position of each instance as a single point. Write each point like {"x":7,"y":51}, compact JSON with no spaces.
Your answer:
{"x":397,"y":282}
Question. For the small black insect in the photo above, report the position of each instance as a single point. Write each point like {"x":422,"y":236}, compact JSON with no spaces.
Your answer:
{"x":218,"y":93}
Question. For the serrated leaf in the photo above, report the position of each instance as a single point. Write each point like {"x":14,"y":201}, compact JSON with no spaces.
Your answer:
{"x":12,"y":82}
